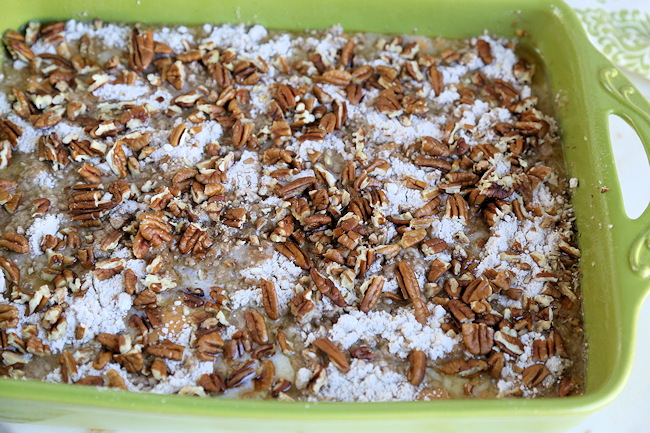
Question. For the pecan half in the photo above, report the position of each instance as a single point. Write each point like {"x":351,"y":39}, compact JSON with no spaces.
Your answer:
{"x":333,"y":353}
{"x":294,"y":253}
{"x":141,"y":50}
{"x":14,"y":242}
{"x":212,"y":383}
{"x":534,"y":375}
{"x":464,"y":368}
{"x":257,"y":327}
{"x":8,"y":316}
{"x":166,"y":349}
{"x":374,"y":289}
{"x":327,"y":287}
{"x":195,"y":240}
{"x":68,"y":366}
{"x":478,"y":338}
{"x":270,"y":299}
{"x":209,"y":346}
{"x":417,"y":365}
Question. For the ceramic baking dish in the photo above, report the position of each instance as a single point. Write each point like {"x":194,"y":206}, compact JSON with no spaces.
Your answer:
{"x":616,"y":249}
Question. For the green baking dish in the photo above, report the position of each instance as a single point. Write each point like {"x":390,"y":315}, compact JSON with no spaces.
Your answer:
{"x":616,"y":249}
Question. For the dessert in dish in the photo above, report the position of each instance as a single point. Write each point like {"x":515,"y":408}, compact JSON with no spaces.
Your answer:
{"x":229,"y":211}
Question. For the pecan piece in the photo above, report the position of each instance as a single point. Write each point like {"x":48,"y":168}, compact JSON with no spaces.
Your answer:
{"x":336,"y":77}
{"x":460,"y":311}
{"x":435,"y":78}
{"x":105,"y":269}
{"x":270,"y":299}
{"x":8,"y":316}
{"x":302,"y":307}
{"x":296,"y":187}
{"x":534,"y":375}
{"x":241,"y":133}
{"x":264,"y":379}
{"x":327,"y":287}
{"x":566,"y":387}
{"x":256,"y":326}
{"x":464,"y":368}
{"x":166,"y":349}
{"x":484,"y":51}
{"x":194,"y":239}
{"x":209,"y":346}
{"x":410,"y":287}
{"x":68,"y":366}
{"x":141,"y":50}
{"x":509,"y":343}
{"x":14,"y":242}
{"x":294,"y":253}
{"x":372,"y":293}
{"x":362,"y":352}
{"x":417,"y":365}
{"x":212,"y":383}
{"x":239,"y":376}
{"x":132,"y":361}
{"x":412,"y":237}
{"x":478,"y":338}
{"x":333,"y":353}
{"x":478,"y":289}
{"x":12,"y":272}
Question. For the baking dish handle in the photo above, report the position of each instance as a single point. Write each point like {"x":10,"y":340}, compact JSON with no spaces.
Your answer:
{"x":628,"y":103}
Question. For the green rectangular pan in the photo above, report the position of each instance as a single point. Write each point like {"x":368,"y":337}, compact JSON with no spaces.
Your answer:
{"x":616,"y":249}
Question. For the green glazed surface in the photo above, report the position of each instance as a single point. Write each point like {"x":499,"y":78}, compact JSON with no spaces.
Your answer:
{"x":616,"y":250}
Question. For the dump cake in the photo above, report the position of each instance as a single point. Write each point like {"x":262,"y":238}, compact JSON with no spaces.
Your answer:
{"x":318,"y":216}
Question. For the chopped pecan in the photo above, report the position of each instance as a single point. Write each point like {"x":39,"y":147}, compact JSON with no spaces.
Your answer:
{"x":336,"y":77}
{"x":412,"y":237}
{"x":296,"y":187}
{"x":141,"y":49}
{"x":484,"y":51}
{"x":11,"y":271}
{"x":477,"y":290}
{"x":166,"y":349}
{"x":534,"y":375}
{"x":209,"y":345}
{"x":195,"y":240}
{"x":327,"y":287}
{"x":257,"y":327}
{"x":417,"y":365}
{"x":373,"y":290}
{"x":8,"y":316}
{"x":14,"y":242}
{"x":68,"y":366}
{"x":105,"y":269}
{"x":270,"y":299}
{"x":235,"y":218}
{"x":435,"y":78}
{"x":158,"y":369}
{"x":242,"y":374}
{"x":264,"y":379}
{"x":478,"y":338}
{"x":212,"y":383}
{"x":51,"y":149}
{"x":302,"y":306}
{"x":464,"y":368}
{"x":333,"y":353}
{"x":460,"y":311}
{"x":509,"y":343}
{"x":362,"y":352}
{"x":294,"y":253}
